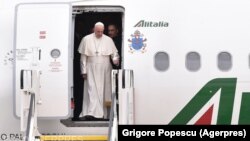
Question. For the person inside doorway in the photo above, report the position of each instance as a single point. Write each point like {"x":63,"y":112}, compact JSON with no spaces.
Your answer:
{"x":113,"y":32}
{"x":96,"y":49}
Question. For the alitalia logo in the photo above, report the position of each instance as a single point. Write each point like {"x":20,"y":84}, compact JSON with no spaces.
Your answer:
{"x":143,"y":23}
{"x":224,"y":89}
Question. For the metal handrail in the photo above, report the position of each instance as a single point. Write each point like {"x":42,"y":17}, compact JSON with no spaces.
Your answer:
{"x":113,"y":109}
{"x":30,"y":114}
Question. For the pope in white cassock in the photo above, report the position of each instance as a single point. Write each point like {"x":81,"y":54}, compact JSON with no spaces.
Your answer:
{"x":96,"y":50}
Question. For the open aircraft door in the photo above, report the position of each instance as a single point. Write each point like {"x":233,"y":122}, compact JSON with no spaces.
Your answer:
{"x":43,"y":43}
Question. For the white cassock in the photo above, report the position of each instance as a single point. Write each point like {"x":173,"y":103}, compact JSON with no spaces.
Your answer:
{"x":95,"y":62}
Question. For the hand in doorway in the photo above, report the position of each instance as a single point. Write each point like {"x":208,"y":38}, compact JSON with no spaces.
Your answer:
{"x":84,"y":76}
{"x":116,"y":62}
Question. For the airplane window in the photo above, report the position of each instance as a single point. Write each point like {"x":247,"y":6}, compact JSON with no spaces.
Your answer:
{"x":224,"y":61}
{"x":161,"y":61}
{"x":193,"y":61}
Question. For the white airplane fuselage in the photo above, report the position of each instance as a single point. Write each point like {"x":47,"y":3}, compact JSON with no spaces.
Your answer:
{"x":188,"y":58}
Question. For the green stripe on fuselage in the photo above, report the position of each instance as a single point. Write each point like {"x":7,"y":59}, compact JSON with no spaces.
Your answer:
{"x":227,"y":86}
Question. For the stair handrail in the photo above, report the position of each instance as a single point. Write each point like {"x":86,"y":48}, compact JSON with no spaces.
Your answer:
{"x":30,"y":117}
{"x":112,"y":132}
{"x":29,"y":86}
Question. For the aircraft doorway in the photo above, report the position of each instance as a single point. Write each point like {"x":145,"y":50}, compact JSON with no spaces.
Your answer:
{"x":84,"y":21}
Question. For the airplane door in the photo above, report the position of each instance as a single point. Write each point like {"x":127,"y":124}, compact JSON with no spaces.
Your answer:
{"x":43,"y":43}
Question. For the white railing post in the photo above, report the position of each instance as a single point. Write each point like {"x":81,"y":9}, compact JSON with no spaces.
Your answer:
{"x":126,"y":97}
{"x":30,"y":91}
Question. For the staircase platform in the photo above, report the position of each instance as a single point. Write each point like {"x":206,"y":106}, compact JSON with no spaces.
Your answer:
{"x":70,"y":123}
{"x":73,"y":138}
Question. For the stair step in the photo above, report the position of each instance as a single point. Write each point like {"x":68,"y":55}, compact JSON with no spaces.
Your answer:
{"x":70,"y":123}
{"x":73,"y":138}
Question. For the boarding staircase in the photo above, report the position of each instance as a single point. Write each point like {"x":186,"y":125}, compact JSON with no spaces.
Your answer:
{"x":30,"y":99}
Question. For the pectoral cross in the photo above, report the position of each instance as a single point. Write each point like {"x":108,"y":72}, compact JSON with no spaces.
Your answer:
{"x":97,"y":44}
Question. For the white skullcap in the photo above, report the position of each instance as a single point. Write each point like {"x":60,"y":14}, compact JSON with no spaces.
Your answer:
{"x":99,"y":24}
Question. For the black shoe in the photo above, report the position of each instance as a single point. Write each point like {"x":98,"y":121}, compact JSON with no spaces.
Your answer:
{"x":89,"y":117}
{"x":92,"y":118}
